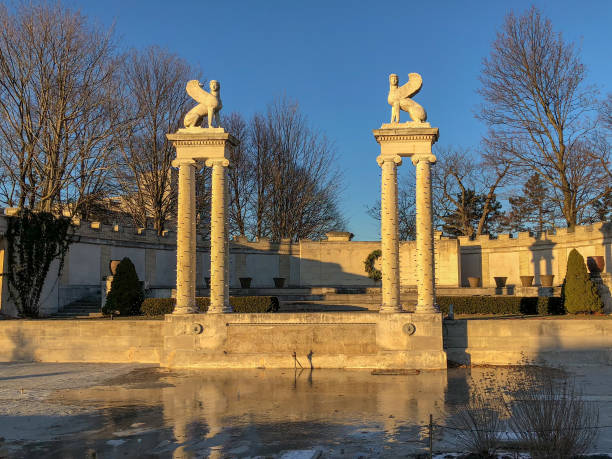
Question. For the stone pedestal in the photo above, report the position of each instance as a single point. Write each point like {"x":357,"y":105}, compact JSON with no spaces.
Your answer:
{"x":413,"y":140}
{"x":195,"y":146}
{"x":339,"y":340}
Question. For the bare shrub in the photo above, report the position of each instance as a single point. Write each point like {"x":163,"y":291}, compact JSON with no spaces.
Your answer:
{"x":478,"y":424}
{"x":550,"y":416}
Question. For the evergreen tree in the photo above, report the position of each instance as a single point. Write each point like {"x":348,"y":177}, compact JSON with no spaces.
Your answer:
{"x":464,"y":219}
{"x":603,"y":208}
{"x":126,"y":293}
{"x":579,"y":292}
{"x":533,"y":210}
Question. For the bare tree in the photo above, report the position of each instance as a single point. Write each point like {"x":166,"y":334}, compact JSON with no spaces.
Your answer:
{"x":466,"y":201}
{"x":261,"y":145}
{"x":239,"y":175}
{"x":606,"y":112}
{"x":154,"y":82}
{"x":531,"y":208}
{"x":538,"y":108}
{"x":59,"y":106}
{"x":296,"y":187}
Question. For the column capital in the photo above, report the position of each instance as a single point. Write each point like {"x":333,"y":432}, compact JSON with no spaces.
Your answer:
{"x":202,"y":144}
{"x":217,"y":162}
{"x":406,"y":141}
{"x":381,"y":159}
{"x":183,"y":162}
{"x":429,"y":158}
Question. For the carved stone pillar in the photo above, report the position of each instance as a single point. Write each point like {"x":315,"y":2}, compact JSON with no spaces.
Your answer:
{"x":424,"y":231}
{"x":413,"y":140}
{"x":213,"y":146}
{"x":219,"y":245}
{"x":389,"y":234}
{"x":186,"y":239}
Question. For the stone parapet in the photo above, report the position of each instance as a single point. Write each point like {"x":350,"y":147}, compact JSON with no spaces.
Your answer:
{"x":533,"y":254}
{"x":308,"y":340}
{"x":564,"y":341}
{"x":89,"y":340}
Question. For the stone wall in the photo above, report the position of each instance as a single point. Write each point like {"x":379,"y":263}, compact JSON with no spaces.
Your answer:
{"x":546,"y":341}
{"x":307,"y":263}
{"x":337,"y":340}
{"x":527,"y":255}
{"x":114,"y":341}
{"x":332,"y":263}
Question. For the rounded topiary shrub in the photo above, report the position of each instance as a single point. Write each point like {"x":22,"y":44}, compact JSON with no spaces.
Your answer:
{"x":579,"y":292}
{"x":126,"y":292}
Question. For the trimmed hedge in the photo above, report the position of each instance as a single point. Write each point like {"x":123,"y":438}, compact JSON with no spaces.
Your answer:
{"x":579,"y":292}
{"x":240,"y":304}
{"x":502,"y":305}
{"x":126,"y":293}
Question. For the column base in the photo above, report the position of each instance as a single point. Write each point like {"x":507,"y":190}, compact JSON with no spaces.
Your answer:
{"x":390,"y":309}
{"x":427,"y":309}
{"x":227,"y":309}
{"x":185,"y":310}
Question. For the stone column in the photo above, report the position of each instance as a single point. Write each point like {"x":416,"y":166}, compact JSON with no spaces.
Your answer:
{"x":186,"y":239}
{"x":219,"y":245}
{"x":389,"y":234}
{"x":426,"y":302}
{"x":413,"y":140}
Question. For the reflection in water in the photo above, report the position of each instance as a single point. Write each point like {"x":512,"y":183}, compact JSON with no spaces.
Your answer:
{"x":238,"y":413}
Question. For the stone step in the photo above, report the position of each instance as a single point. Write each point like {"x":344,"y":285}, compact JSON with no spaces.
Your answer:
{"x":59,"y":315}
{"x":81,"y":312}
{"x":320,"y":306}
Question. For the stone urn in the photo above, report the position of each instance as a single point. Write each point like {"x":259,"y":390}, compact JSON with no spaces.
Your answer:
{"x":500,"y":282}
{"x":526,"y":281}
{"x":112,"y":266}
{"x":596,"y":264}
{"x":474,"y":282}
{"x":547,"y":280}
{"x":279,"y":282}
{"x":245,"y":282}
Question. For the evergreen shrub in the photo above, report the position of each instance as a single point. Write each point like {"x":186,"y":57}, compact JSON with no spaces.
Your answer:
{"x":240,"y":304}
{"x":501,"y":305}
{"x":126,"y":293}
{"x":579,"y":292}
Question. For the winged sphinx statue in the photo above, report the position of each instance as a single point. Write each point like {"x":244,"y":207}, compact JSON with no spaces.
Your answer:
{"x":209,"y":104}
{"x":399,"y":98}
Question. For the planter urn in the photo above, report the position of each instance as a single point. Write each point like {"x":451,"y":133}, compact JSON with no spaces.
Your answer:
{"x":245,"y":282}
{"x":596,"y":264}
{"x":526,"y":281}
{"x":279,"y":282}
{"x":112,"y":266}
{"x":500,"y":282}
{"x":547,"y":280}
{"x":474,"y":282}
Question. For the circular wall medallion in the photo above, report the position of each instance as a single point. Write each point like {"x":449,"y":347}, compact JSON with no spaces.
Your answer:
{"x":197,"y":329}
{"x":409,"y":329}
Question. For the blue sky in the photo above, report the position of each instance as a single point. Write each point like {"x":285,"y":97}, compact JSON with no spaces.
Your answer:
{"x":334,"y":58}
